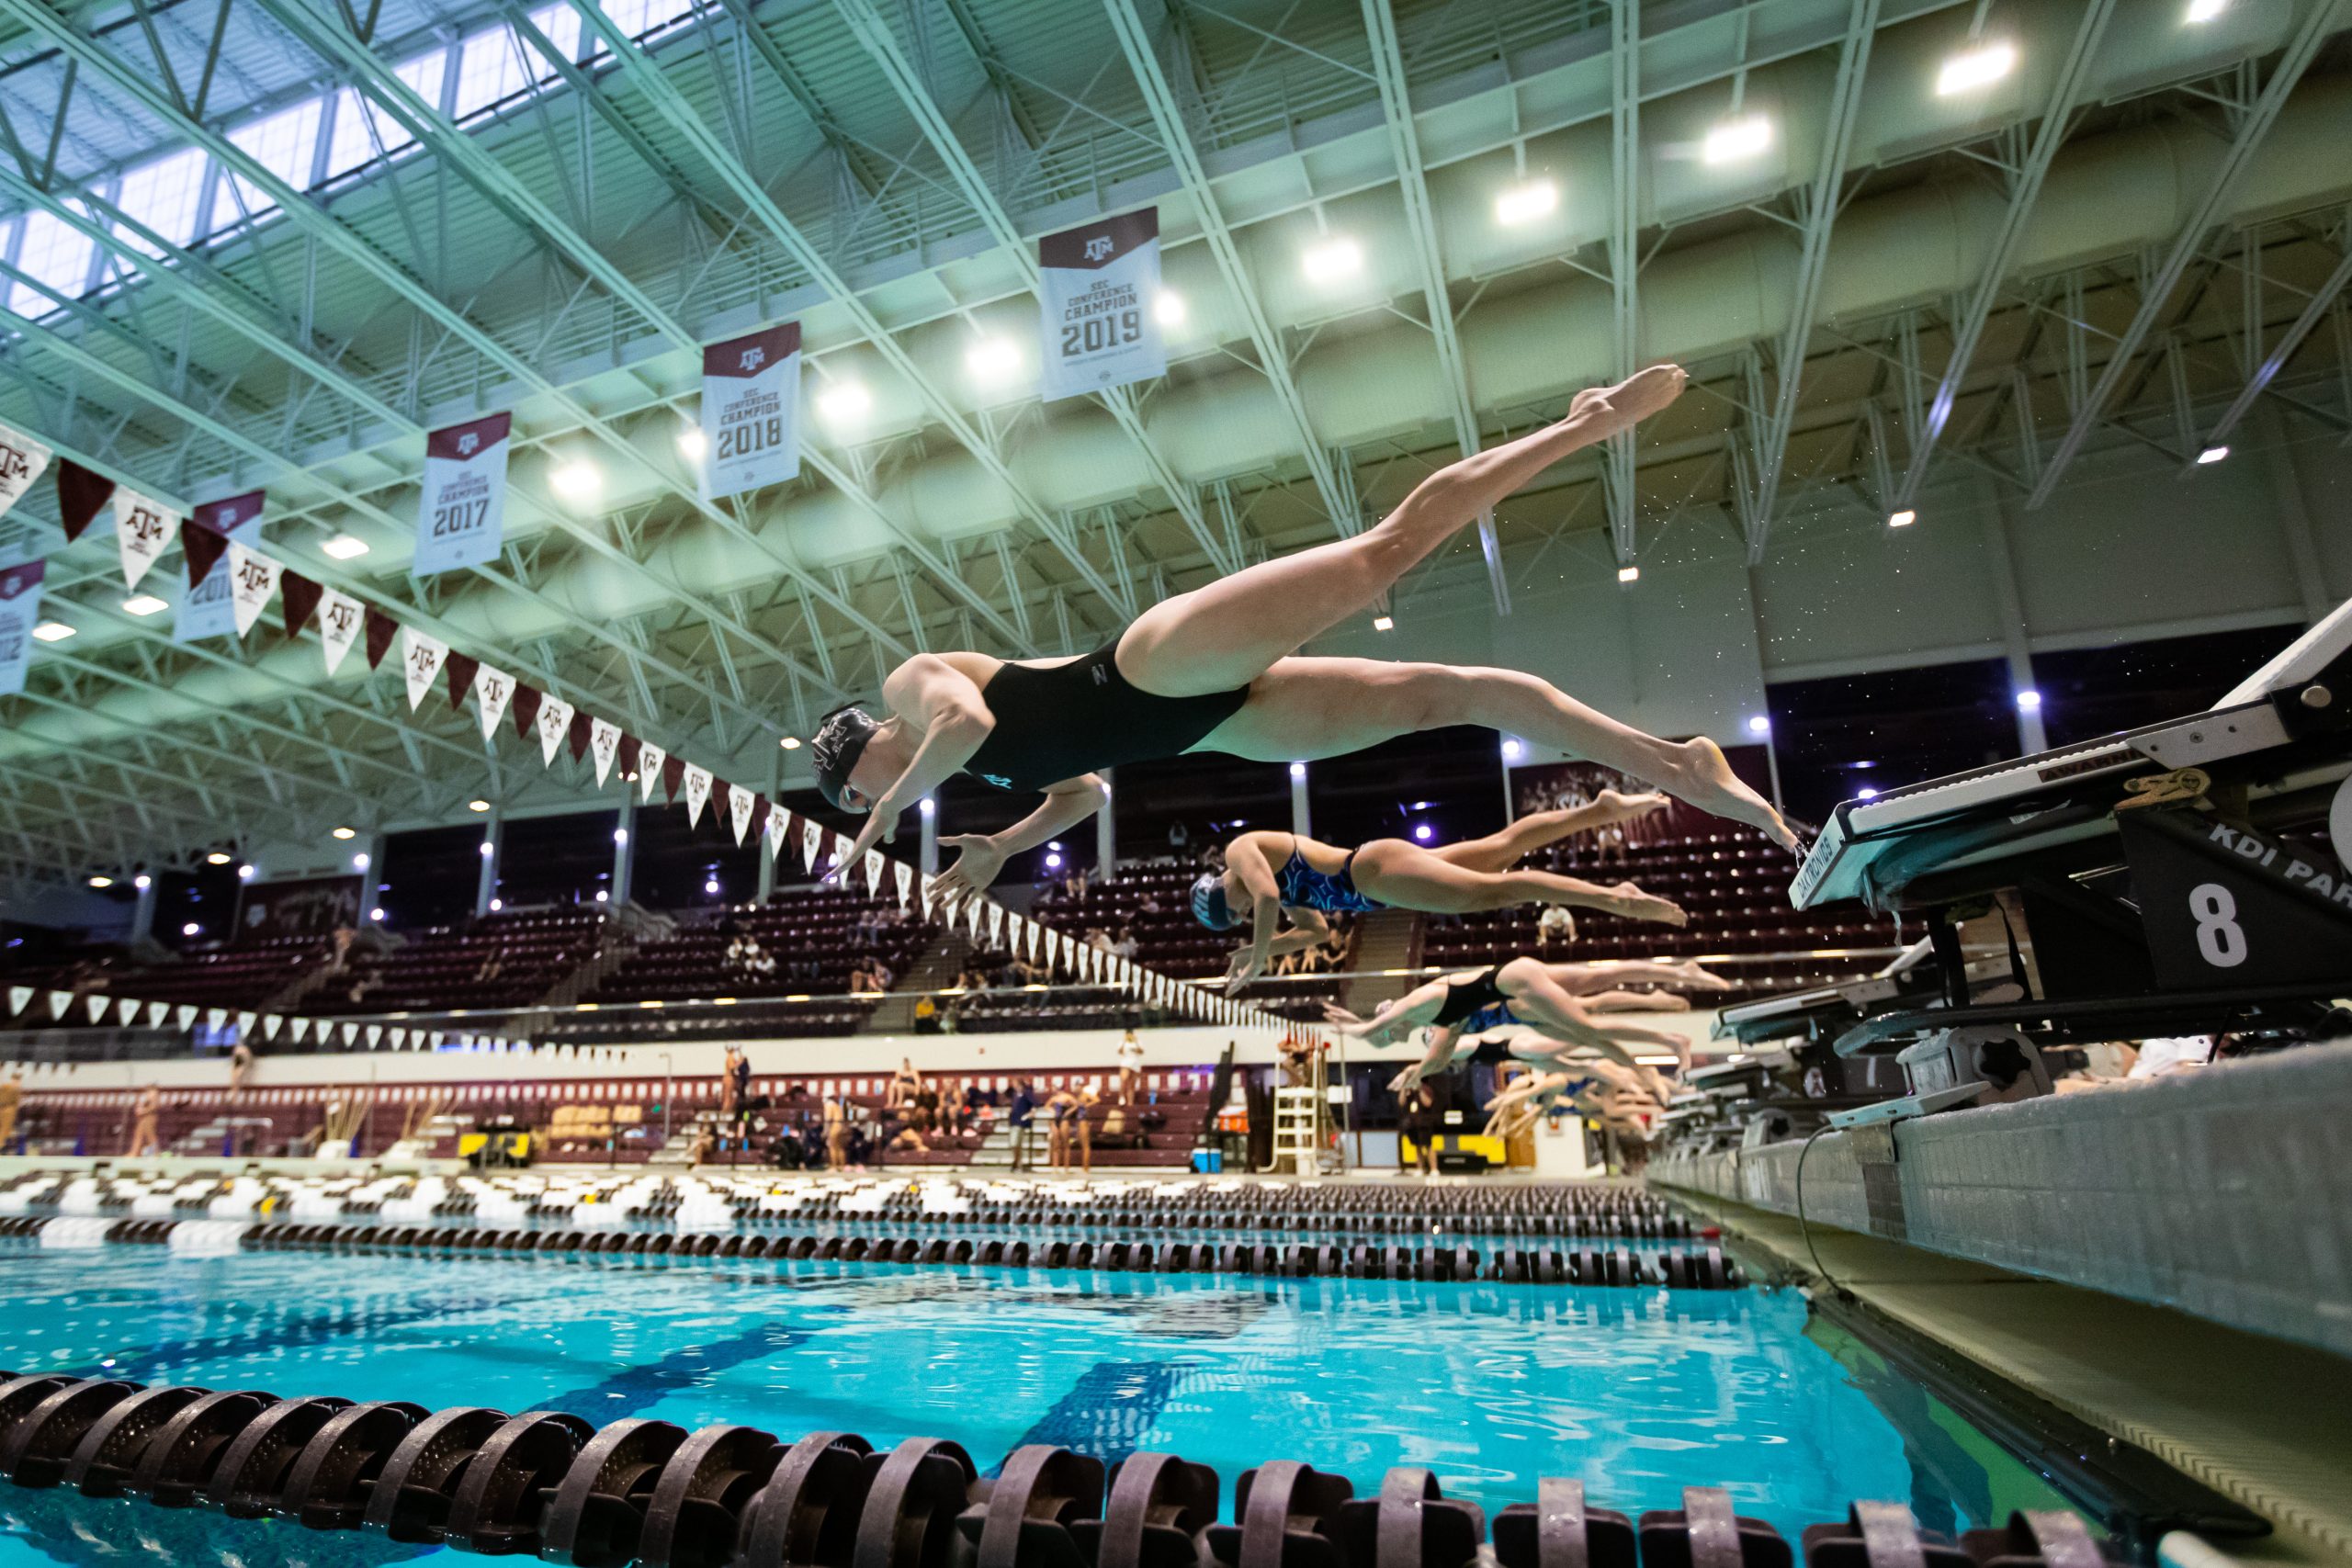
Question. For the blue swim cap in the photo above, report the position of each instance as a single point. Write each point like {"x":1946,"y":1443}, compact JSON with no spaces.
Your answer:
{"x":1210,"y":906}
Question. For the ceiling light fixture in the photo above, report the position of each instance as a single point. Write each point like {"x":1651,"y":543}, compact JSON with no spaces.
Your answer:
{"x":144,"y":605}
{"x":1732,"y":140}
{"x":52,"y":631}
{"x":342,"y":547}
{"x":1525,"y":203}
{"x":1330,"y":259}
{"x":1975,"y":68}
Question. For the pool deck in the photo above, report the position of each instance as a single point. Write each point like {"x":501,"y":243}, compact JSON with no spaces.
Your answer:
{"x":2261,"y":1420}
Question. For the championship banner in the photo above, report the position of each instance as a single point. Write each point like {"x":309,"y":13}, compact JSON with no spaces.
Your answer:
{"x":19,"y":613}
{"x":751,"y":405}
{"x":143,"y":529}
{"x":205,"y":606}
{"x":1098,"y":286}
{"x":22,"y":461}
{"x":462,"y":509}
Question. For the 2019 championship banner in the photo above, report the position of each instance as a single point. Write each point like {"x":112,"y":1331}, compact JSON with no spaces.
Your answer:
{"x":1099,"y":285}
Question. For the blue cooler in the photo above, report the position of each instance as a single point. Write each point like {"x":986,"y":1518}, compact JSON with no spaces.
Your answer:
{"x":1208,"y":1162}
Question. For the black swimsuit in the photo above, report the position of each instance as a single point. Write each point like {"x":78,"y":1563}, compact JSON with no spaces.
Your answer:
{"x":1465,"y":999}
{"x":1065,"y":719}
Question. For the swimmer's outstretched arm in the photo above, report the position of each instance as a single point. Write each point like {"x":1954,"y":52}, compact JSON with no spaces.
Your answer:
{"x":1383,"y":1027}
{"x":1245,"y":860}
{"x":979,"y":856}
{"x":1444,"y":1043}
{"x":928,"y":692}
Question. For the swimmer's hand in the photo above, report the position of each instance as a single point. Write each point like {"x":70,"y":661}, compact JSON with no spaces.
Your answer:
{"x":881,"y":826}
{"x":978,"y":860}
{"x":1247,"y":964}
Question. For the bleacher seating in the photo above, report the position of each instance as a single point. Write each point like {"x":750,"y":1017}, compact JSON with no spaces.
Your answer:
{"x":809,"y":939}
{"x":506,"y":960}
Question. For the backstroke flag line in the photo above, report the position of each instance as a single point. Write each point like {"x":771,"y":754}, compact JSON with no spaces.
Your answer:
{"x":1100,"y":284}
{"x":750,"y":406}
{"x":462,"y":510}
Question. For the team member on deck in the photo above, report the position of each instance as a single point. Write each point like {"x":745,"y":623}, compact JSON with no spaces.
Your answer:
{"x":1270,"y":874}
{"x":1215,"y":670}
{"x":1560,"y":998}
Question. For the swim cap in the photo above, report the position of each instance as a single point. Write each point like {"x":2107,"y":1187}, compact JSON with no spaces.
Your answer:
{"x":839,"y":742}
{"x":1210,"y":906}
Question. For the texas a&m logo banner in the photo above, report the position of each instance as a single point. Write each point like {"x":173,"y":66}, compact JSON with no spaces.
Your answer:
{"x":1099,"y":285}
{"x":22,"y":461}
{"x":751,"y":404}
{"x":460,"y":515}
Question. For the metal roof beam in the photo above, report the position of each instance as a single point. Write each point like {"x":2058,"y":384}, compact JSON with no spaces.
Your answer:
{"x":2315,"y":310}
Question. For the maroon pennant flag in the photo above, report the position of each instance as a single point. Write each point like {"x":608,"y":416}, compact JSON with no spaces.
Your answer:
{"x":380,"y":630}
{"x":719,"y":790}
{"x":674,"y":774}
{"x":580,"y":733}
{"x":302,"y":601}
{"x":80,"y":494}
{"x":202,"y":546}
{"x":462,"y":671}
{"x":525,"y":708}
{"x":625,"y":754}
{"x":760,"y":810}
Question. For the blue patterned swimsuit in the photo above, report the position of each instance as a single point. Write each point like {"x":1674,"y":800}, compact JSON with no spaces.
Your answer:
{"x":1304,"y":887}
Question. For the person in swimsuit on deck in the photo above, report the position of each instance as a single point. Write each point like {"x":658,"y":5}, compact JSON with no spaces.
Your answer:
{"x":1558,"y":999}
{"x":1216,"y":670}
{"x":1266,"y":872}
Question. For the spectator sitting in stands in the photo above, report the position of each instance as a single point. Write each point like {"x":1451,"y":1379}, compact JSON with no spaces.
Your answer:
{"x":928,"y":1016}
{"x":1179,"y":838}
{"x":1149,"y":904}
{"x":1554,"y":924}
{"x":241,"y":1061}
{"x":905,"y":1084}
{"x":1126,"y":946}
{"x":491,"y":967}
{"x":863,"y":980}
{"x":1097,"y":939}
{"x":700,"y":1150}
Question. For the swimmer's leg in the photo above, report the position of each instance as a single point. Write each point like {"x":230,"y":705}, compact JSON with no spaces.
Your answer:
{"x":1498,"y":851}
{"x":1406,"y":876}
{"x":1226,"y":634}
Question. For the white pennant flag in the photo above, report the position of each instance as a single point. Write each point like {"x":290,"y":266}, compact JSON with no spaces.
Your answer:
{"x":400,"y":1039}
{"x":697,"y":794}
{"x":421,"y":661}
{"x":972,"y":917}
{"x":246,"y":1021}
{"x":874,"y":862}
{"x":604,"y":744}
{"x":375,"y":1034}
{"x":58,"y":1002}
{"x":554,"y":724}
{"x":156,"y":1013}
{"x":996,"y":923}
{"x":270,"y":1025}
{"x":215,"y":1017}
{"x":145,"y":529}
{"x":778,"y":819}
{"x":350,"y":1033}
{"x":650,"y":761}
{"x":740,"y":804}
{"x":17,"y":997}
{"x":127,"y":1014}
{"x":301,"y":1030}
{"x":98,"y":1006}
{"x":341,"y":620}
{"x":185,"y":1018}
{"x":812,"y":839}
{"x":22,"y":461}
{"x":905,"y":876}
{"x":494,"y":689}
{"x":253,"y":579}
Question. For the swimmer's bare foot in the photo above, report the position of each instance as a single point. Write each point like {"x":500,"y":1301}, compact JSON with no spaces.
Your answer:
{"x":1626,"y":807}
{"x":1634,"y":398}
{"x":1700,"y":979}
{"x":1628,"y":899}
{"x":1704,"y":778}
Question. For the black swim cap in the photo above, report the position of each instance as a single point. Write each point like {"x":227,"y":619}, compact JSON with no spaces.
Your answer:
{"x":839,"y":742}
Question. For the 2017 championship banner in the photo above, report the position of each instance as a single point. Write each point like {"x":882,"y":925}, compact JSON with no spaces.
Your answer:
{"x":1099,"y":283}
{"x":751,"y":407}
{"x":461,"y":516}
{"x":19,"y":613}
{"x":205,"y":607}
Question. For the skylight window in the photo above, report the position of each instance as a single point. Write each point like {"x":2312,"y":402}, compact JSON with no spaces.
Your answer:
{"x":57,"y":255}
{"x":351,"y":146}
{"x":164,"y":195}
{"x":282,"y":143}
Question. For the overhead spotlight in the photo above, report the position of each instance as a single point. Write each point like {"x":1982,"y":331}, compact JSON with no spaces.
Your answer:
{"x":2029,"y":701}
{"x":1511,"y":748}
{"x":52,"y":631}
{"x":1759,"y":725}
{"x":1383,"y":623}
{"x":102,"y":882}
{"x":347,"y":833}
{"x":1903,"y":519}
{"x":710,"y":885}
{"x":620,"y":835}
{"x":1169,"y":309}
{"x":377,"y":914}
{"x":1053,"y":862}
{"x":477,"y":805}
{"x":191,"y":928}
{"x":342,"y":547}
{"x":1423,"y":831}
{"x":2206,"y":10}
{"x":2206,"y":458}
{"x":579,"y":479}
{"x":1975,"y":68}
{"x":142,"y":881}
{"x":1629,"y":574}
{"x":603,"y":896}
{"x":992,"y":360}
{"x":360,"y":861}
{"x":1332,"y":258}
{"x":218,"y":858}
{"x":496,"y":905}
{"x":790,"y":743}
{"x":1525,"y":203}
{"x":693,"y":444}
{"x":487,"y":848}
{"x":245,"y":872}
{"x":844,"y":401}
{"x":926,"y":806}
{"x":144,"y":605}
{"x":1866,"y":792}
{"x":1730,"y":141}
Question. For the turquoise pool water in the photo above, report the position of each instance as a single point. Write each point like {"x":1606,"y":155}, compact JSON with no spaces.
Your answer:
{"x":1638,"y":1392}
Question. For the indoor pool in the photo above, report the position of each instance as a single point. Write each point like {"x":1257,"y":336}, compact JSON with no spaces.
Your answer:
{"x":1638,"y":1392}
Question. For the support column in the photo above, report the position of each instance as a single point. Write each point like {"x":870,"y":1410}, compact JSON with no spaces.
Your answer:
{"x":1106,"y":834}
{"x":767,"y":860}
{"x":930,"y":813}
{"x":2001,"y":572}
{"x":624,"y":844}
{"x":1302,"y":817}
{"x":493,"y":839}
{"x":372,"y":880}
{"x":142,"y":913}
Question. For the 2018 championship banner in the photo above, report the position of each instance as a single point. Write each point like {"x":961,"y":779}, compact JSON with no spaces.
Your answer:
{"x":751,"y":407}
{"x":461,"y":516}
{"x":19,"y":613}
{"x":205,"y":607}
{"x":1100,"y":284}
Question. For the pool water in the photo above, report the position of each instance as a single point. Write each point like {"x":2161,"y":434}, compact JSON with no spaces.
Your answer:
{"x":1637,"y":1393}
